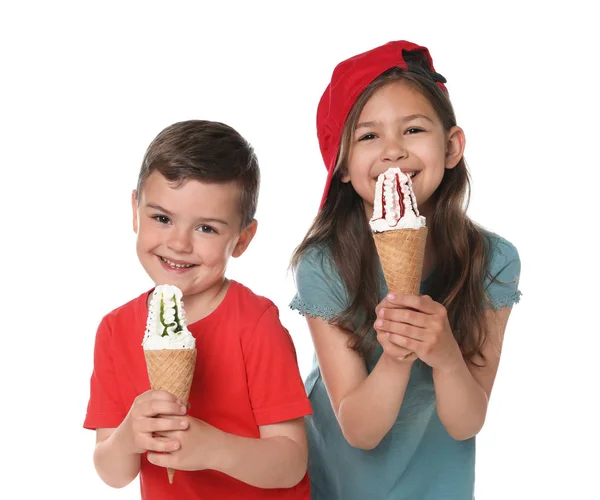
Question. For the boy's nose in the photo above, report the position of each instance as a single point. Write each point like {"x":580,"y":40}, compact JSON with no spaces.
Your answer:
{"x":180,"y":241}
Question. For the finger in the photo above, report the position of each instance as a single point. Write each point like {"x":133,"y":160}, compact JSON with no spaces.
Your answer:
{"x":422,"y":303}
{"x":406,"y":342}
{"x":163,"y":445}
{"x":163,"y":424}
{"x":412,"y":332}
{"x":391,"y":349}
{"x":159,"y":459}
{"x":408,"y":316}
{"x":155,"y":407}
{"x":157,"y":395}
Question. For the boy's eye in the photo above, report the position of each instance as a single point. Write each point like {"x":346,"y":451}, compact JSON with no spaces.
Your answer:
{"x":163,"y":219}
{"x":414,"y":130}
{"x":367,"y":137}
{"x":206,"y":229}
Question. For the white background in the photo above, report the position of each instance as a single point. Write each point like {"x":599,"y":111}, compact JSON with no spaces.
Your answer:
{"x":85,"y":87}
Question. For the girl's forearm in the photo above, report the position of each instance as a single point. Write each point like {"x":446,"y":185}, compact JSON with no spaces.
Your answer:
{"x":461,"y":401}
{"x":368,"y":412}
{"x":116,"y":466}
{"x":273,"y":462}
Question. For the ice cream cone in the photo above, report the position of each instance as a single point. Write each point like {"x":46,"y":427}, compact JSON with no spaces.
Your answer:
{"x":401,"y":253}
{"x":171,"y":370}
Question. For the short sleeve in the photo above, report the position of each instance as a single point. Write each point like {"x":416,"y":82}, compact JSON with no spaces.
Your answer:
{"x":275,"y":386}
{"x":320,"y":289}
{"x":504,"y":269}
{"x":105,"y":407}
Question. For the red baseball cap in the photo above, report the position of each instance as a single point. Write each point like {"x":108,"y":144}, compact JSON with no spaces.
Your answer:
{"x":349,"y":79}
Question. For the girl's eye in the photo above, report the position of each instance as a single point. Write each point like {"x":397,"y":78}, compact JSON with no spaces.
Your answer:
{"x":206,"y":229}
{"x":367,"y":137}
{"x":163,"y":219}
{"x":414,"y":130}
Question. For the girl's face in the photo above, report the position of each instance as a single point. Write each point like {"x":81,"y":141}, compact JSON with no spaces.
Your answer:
{"x":398,"y":127}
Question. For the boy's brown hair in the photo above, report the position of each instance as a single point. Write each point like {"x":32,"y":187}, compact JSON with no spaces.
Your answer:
{"x":208,"y":152}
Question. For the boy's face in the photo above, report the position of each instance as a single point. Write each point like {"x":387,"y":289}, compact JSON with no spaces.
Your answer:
{"x":186,"y":233}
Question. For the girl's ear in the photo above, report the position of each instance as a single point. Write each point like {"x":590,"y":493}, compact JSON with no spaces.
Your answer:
{"x":245,"y":239}
{"x":344,"y":175}
{"x":134,"y":208}
{"x":455,"y":146}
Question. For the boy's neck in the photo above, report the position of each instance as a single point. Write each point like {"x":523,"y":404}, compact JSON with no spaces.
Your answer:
{"x":202,"y":304}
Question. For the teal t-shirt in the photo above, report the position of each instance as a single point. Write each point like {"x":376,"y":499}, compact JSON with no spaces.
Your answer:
{"x":417,"y":459}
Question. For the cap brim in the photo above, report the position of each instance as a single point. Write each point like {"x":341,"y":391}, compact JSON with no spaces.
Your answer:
{"x":327,"y":185}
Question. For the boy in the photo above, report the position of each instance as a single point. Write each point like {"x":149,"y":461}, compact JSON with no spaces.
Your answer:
{"x":243,"y":435}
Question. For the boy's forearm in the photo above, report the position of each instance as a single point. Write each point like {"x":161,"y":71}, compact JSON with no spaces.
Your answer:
{"x":274,"y":462}
{"x":368,"y":413}
{"x":461,"y":401}
{"x":115,"y":466}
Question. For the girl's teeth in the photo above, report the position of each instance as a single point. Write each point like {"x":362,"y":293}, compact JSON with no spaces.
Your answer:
{"x":178,"y":266}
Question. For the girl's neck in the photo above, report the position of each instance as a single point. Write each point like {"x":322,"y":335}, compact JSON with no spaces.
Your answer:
{"x":430,"y":259}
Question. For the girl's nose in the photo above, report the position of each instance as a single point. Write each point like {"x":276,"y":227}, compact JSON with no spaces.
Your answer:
{"x":393,"y":151}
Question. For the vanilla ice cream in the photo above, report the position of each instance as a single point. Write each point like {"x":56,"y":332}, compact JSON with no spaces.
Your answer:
{"x":395,"y":205}
{"x":166,"y":327}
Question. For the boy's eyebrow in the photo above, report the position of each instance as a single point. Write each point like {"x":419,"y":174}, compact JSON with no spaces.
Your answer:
{"x":404,"y":119}
{"x":203,"y":219}
{"x":159,"y":208}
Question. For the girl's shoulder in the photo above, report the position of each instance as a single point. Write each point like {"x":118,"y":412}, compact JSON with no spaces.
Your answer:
{"x":500,"y":251}
{"x":503,"y":271}
{"x":317,"y":259}
{"x":320,"y":288}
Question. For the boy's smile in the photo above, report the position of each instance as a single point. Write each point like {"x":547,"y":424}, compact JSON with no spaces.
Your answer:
{"x":187,"y":232}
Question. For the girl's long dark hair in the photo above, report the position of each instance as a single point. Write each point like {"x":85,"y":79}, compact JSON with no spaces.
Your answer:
{"x":461,"y":248}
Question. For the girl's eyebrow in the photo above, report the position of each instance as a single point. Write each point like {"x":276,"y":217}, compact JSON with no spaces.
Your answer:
{"x":408,"y":118}
{"x":200,"y":219}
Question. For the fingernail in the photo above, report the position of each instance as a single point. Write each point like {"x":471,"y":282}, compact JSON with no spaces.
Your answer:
{"x":378,"y":323}
{"x":391,"y":296}
{"x":381,"y":312}
{"x":179,"y":402}
{"x":387,"y":334}
{"x":183,"y":409}
{"x":183,"y":423}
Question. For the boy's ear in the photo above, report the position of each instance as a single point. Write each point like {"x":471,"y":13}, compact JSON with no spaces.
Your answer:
{"x":455,"y":147}
{"x":245,"y":239}
{"x":134,"y":208}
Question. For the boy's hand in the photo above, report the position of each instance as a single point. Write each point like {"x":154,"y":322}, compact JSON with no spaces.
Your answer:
{"x":419,"y":324}
{"x":199,"y":445}
{"x":153,"y":412}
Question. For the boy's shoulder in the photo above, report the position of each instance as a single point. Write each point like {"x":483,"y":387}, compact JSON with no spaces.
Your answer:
{"x":248,"y":302}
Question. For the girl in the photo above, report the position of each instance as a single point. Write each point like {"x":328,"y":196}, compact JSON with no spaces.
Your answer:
{"x":400,"y":384}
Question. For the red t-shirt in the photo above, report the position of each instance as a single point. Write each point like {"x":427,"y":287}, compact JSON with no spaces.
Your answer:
{"x":246,"y":376}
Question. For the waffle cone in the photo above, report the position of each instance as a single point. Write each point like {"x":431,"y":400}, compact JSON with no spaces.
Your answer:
{"x":401,"y":253}
{"x":171,"y":370}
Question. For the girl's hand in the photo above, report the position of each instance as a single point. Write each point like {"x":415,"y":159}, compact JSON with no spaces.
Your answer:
{"x":391,"y":350}
{"x":419,"y":324}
